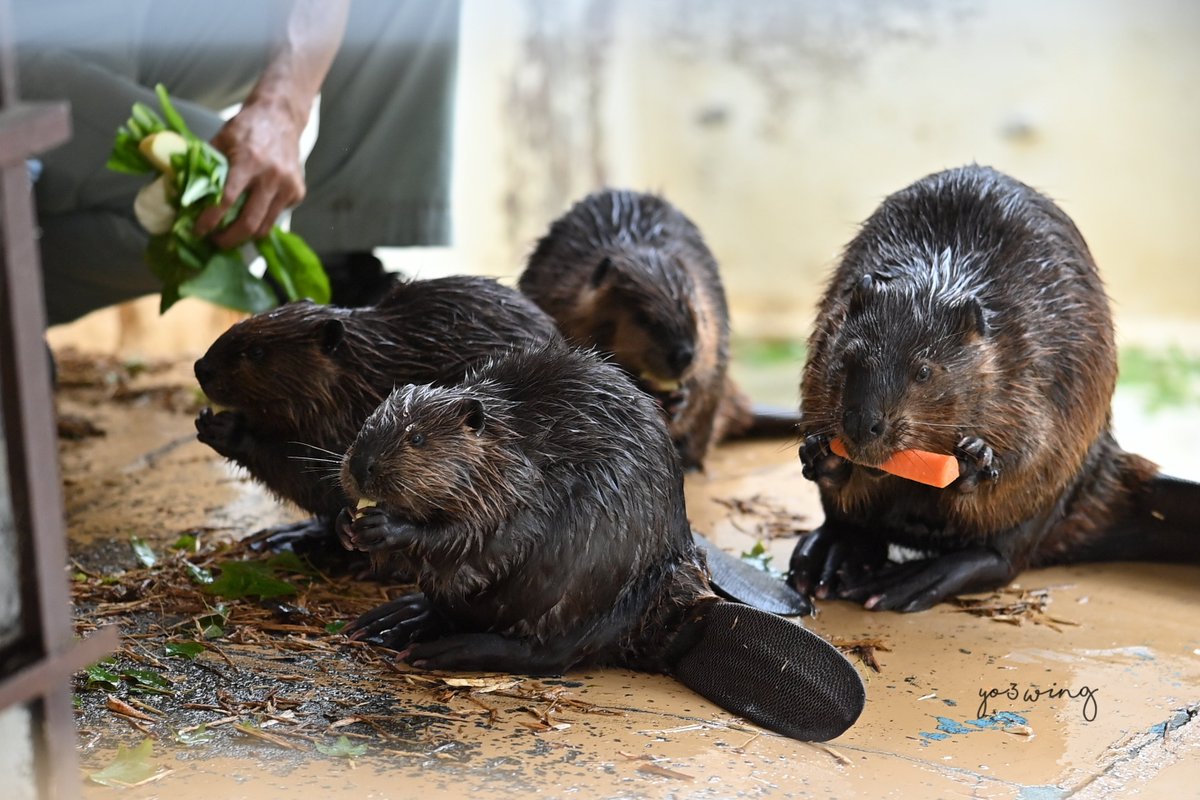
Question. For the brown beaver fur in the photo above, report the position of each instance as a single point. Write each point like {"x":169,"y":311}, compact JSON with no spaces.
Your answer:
{"x":297,"y":382}
{"x":542,"y":503}
{"x":967,"y":317}
{"x":629,"y":274}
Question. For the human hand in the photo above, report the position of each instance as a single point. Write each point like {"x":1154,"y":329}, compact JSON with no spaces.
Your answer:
{"x":262,"y":143}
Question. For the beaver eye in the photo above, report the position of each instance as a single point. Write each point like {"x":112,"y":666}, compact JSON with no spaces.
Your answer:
{"x":417,"y":440}
{"x":924,"y":373}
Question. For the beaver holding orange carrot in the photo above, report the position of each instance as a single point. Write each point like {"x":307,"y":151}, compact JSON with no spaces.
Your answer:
{"x":965,"y":341}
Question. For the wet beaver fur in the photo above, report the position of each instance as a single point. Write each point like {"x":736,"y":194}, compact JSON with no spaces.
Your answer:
{"x":628,"y":273}
{"x":542,"y":502}
{"x":298,"y":381}
{"x":967,"y":317}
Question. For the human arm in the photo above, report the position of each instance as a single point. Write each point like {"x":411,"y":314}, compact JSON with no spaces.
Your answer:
{"x":262,"y":141}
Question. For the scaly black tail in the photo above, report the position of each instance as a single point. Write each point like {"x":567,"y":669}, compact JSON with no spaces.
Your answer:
{"x":1161,"y":523}
{"x":735,"y":579}
{"x":769,"y":670}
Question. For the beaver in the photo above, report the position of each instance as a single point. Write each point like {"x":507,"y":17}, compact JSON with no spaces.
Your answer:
{"x":630,"y":274}
{"x":967,"y":317}
{"x":542,"y":502}
{"x":297,"y":382}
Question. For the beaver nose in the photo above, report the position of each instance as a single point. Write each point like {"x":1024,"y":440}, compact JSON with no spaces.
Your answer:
{"x":681,"y":357}
{"x":362,"y":467}
{"x":863,"y":425}
{"x":204,"y":371}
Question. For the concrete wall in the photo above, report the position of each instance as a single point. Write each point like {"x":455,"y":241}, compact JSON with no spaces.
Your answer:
{"x":778,"y":125}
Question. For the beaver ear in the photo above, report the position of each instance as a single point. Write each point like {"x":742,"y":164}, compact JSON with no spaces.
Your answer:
{"x":972,"y":318}
{"x":861,"y":293}
{"x":473,"y":416}
{"x":602,"y":271}
{"x":332,"y":332}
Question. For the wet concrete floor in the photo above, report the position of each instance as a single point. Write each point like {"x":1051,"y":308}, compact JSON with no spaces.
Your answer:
{"x":1117,"y":648}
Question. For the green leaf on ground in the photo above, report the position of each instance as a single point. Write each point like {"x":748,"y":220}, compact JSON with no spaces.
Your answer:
{"x":186,"y":542}
{"x":248,"y":579}
{"x":336,"y":627}
{"x":188,"y":650}
{"x":144,"y":680}
{"x":201,"y":735}
{"x":99,"y":675}
{"x":142,"y":551}
{"x":128,"y":767}
{"x":342,"y":748}
{"x":287,"y":561}
{"x":198,"y":574}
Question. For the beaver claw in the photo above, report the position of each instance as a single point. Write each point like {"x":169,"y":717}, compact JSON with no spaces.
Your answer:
{"x":821,"y":464}
{"x":371,"y":530}
{"x":976,"y":464}
{"x":226,"y":432}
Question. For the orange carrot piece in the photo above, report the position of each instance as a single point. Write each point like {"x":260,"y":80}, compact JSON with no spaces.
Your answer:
{"x":934,"y":469}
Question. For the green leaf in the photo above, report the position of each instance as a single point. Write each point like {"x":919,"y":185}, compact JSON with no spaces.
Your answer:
{"x":288,"y":561}
{"x":99,"y":676}
{"x":146,"y":120}
{"x":128,"y":767}
{"x":342,"y":748}
{"x":144,"y":680}
{"x":336,"y":627}
{"x":248,"y":579}
{"x":226,"y":282}
{"x":198,"y":574}
{"x":201,"y":735}
{"x":197,"y":188}
{"x":126,"y":157}
{"x":173,"y":118}
{"x":292,"y":256}
{"x":187,"y":542}
{"x":188,"y":650}
{"x":142,"y":551}
{"x":213,"y":632}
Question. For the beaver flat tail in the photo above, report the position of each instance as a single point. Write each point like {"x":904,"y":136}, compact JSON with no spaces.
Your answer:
{"x":1161,"y":523}
{"x":771,"y":671}
{"x":733,"y":578}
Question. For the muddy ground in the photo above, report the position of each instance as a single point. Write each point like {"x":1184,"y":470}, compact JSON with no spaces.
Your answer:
{"x":215,"y":695}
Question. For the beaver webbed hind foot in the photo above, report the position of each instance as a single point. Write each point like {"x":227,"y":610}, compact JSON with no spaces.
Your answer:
{"x":491,"y":652}
{"x":923,"y":583}
{"x":830,"y":556}
{"x":397,"y":623}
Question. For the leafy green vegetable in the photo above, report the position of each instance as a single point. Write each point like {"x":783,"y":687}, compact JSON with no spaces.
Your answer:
{"x":128,"y":767}
{"x":336,"y":627}
{"x":142,"y":551}
{"x":248,"y":579}
{"x":288,"y":561}
{"x":188,"y":650}
{"x":188,"y":265}
{"x":342,"y":748}
{"x":213,"y":631}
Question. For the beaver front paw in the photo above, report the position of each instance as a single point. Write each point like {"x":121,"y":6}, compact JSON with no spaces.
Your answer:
{"x":226,"y":432}
{"x":823,"y":465}
{"x":372,"y":530}
{"x":976,"y":464}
